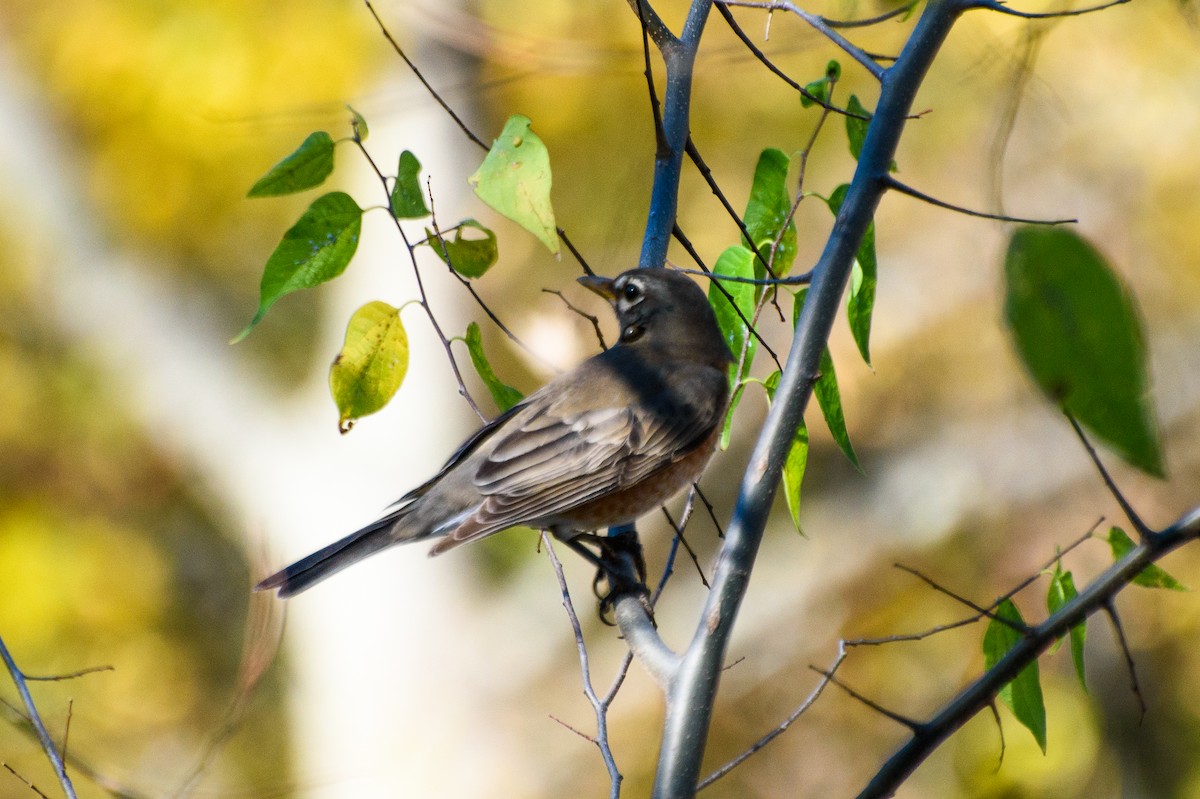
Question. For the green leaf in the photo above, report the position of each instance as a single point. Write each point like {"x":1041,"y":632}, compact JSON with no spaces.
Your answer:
{"x":504,"y":395}
{"x":768,"y":211}
{"x":818,"y":89}
{"x":1079,"y":335}
{"x":736,"y":261}
{"x":308,"y":166}
{"x":821,"y":88}
{"x":371,"y":366}
{"x":793,"y":473}
{"x":861,"y":305}
{"x":856,"y":128}
{"x":469,"y":257}
{"x":830,"y":400}
{"x":727,"y":429}
{"x":1061,"y":591}
{"x":828,"y":396}
{"x":408,"y":201}
{"x":795,"y":463}
{"x":1023,"y":696}
{"x":1152,"y":576}
{"x":514,"y":179}
{"x":358,"y":124}
{"x":315,"y":249}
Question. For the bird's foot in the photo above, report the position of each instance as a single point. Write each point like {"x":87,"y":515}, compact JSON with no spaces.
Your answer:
{"x":620,"y":569}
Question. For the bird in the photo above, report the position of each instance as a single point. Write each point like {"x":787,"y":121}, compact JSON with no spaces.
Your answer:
{"x":596,"y":447}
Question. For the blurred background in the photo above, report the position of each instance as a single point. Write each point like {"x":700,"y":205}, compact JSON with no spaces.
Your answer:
{"x":150,"y":472}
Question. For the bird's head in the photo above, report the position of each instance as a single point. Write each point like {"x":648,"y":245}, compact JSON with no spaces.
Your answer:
{"x":665,"y":312}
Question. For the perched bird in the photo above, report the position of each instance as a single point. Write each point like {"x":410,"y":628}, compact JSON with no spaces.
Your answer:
{"x":598,"y":446}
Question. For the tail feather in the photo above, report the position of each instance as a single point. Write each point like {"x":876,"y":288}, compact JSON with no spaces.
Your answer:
{"x":308,"y":571}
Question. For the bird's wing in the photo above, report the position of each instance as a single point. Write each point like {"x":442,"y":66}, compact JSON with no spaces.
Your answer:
{"x":565,"y":451}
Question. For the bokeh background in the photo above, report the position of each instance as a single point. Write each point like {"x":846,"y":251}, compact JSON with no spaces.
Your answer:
{"x":150,"y":472}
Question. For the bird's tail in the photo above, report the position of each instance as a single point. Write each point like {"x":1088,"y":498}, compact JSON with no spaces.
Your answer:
{"x":307,"y":572}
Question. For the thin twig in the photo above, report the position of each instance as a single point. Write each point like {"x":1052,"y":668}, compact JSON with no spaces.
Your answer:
{"x":993,"y":5}
{"x":727,"y":15}
{"x":1143,"y":530}
{"x":892,"y":183}
{"x":470,"y":134}
{"x":27,"y":783}
{"x":698,"y":161}
{"x":915,"y":726}
{"x":1110,"y":609}
{"x":712,"y":512}
{"x":808,"y":702}
{"x":679,"y":235}
{"x":990,"y":612}
{"x":599,"y":706}
{"x":819,"y":24}
{"x":69,"y":676}
{"x":890,"y":639}
{"x":687,"y":547}
{"x":417,"y":73}
{"x":115,"y":789}
{"x":576,"y":309}
{"x":424,"y":298}
{"x":898,"y":11}
{"x":44,"y":739}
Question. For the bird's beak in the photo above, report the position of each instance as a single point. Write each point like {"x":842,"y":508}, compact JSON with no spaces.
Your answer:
{"x":601,"y":285}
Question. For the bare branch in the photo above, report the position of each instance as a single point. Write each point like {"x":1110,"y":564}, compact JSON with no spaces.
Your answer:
{"x":878,"y":708}
{"x":56,"y":761}
{"x":1097,"y":596}
{"x":782,"y":728}
{"x":899,"y":11}
{"x":994,"y":5}
{"x":751,"y":330}
{"x":27,"y":783}
{"x":891,"y":183}
{"x":598,"y":706}
{"x":1110,"y":610}
{"x":990,"y":612}
{"x":727,"y":15}
{"x":69,"y":676}
{"x":417,"y":74}
{"x":891,"y":639}
{"x":1143,"y":530}
{"x":576,"y":309}
{"x":819,"y":24}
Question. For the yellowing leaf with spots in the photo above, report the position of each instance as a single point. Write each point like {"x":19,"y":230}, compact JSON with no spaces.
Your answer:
{"x":371,"y":366}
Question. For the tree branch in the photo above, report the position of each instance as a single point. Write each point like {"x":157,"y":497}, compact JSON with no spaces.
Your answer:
{"x":820,"y":25}
{"x":994,"y":5}
{"x":679,"y":56}
{"x":1095,"y":597}
{"x":892,"y":183}
{"x":691,"y":694}
{"x":56,"y":761}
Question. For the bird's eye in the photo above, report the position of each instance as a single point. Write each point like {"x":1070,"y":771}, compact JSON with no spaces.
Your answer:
{"x":631,"y":291}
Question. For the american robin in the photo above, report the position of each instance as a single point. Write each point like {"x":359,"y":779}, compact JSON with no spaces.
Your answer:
{"x":596,"y":447}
